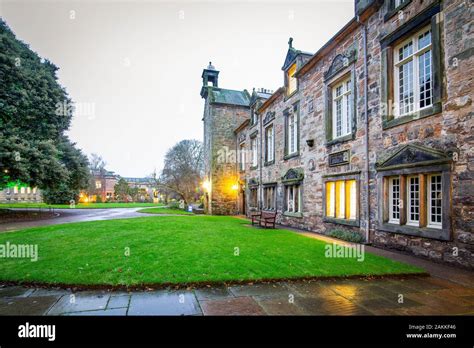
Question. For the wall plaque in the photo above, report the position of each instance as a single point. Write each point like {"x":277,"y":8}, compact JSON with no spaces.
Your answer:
{"x":339,"y":158}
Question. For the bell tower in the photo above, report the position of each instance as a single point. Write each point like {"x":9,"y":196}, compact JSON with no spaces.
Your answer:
{"x":210,"y":77}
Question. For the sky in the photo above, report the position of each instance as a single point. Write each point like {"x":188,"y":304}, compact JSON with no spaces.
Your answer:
{"x":134,"y":67}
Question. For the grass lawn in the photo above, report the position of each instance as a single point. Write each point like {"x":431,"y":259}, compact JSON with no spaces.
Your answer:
{"x":80,"y":205}
{"x":165,"y":211}
{"x":177,"y":249}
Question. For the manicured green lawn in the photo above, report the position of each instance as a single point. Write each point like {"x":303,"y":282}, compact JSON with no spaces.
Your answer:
{"x":80,"y":205}
{"x":174,"y":249}
{"x":165,"y":211}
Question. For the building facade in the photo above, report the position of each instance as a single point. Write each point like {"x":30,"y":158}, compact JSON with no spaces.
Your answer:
{"x":20,"y":194}
{"x":372,"y":134}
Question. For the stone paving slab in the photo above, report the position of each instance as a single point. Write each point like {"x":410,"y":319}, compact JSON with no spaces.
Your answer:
{"x":164,"y":303}
{"x":79,"y":302}
{"x":15,"y":291}
{"x":106,"y":312}
{"x":26,"y":305}
{"x":233,"y":306}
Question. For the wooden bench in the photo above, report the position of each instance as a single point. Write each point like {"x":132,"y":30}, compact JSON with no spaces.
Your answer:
{"x":264,"y":218}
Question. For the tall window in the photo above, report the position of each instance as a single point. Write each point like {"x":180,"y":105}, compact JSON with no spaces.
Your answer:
{"x":253,"y":145}
{"x":242,"y":157}
{"x":413,"y":73}
{"x":413,"y":200}
{"x":434,"y":201}
{"x":253,"y":197}
{"x":269,"y":194}
{"x":98,"y":184}
{"x":269,"y":144}
{"x":253,"y":118}
{"x":292,"y":133}
{"x":292,"y":81}
{"x":341,"y":199}
{"x":293,"y":199}
{"x":341,"y":107}
{"x":394,"y":210}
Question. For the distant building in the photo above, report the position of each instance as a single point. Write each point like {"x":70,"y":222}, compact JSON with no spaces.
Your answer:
{"x":18,"y":194}
{"x":146,"y":189}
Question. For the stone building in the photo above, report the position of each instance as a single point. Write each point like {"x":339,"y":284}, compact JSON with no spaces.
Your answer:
{"x":20,"y":194}
{"x":371,"y":134}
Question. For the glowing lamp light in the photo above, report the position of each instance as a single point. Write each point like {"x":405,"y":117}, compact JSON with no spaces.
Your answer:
{"x":206,"y":185}
{"x":235,"y":187}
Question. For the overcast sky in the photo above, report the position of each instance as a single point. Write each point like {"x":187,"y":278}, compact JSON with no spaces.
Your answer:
{"x":134,"y":67}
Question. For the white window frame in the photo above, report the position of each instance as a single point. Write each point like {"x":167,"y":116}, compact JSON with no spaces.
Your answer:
{"x":430,"y":222}
{"x":391,"y":219}
{"x":254,"y":147}
{"x":414,"y":57}
{"x":270,"y":143}
{"x":242,"y":156}
{"x":345,"y":99}
{"x":411,"y":222}
{"x":292,"y":133}
{"x":291,"y":189}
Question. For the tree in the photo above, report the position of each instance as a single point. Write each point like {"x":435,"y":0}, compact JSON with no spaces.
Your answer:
{"x":75,"y":164}
{"x":183,"y":170}
{"x":122,"y":190}
{"x":35,"y":112}
{"x":97,"y":163}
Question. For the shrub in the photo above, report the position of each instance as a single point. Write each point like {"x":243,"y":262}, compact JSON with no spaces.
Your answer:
{"x":348,"y":236}
{"x":174,"y":205}
{"x":60,"y":195}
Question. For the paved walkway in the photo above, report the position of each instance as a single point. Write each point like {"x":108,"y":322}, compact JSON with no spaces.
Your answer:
{"x":411,"y":296}
{"x":76,"y":215}
{"x":449,"y":291}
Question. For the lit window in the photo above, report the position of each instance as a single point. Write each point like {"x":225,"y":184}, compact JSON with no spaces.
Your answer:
{"x":98,"y":184}
{"x":270,"y":144}
{"x":15,"y":189}
{"x":269,"y":197}
{"x":341,"y":109}
{"x":293,"y":199}
{"x":341,"y":199}
{"x":22,"y":190}
{"x":253,"y":144}
{"x":292,"y":81}
{"x":413,"y":74}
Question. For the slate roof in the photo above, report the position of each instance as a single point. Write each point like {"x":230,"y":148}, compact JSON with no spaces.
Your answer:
{"x":229,"y":96}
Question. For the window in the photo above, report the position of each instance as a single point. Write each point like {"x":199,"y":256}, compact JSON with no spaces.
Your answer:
{"x":253,"y":118}
{"x":15,"y":189}
{"x":242,"y":157}
{"x":341,"y":107}
{"x":253,"y":197}
{"x":341,"y":199}
{"x":434,"y":201}
{"x":292,"y":133}
{"x":98,"y":184}
{"x":34,"y":190}
{"x":269,"y":197}
{"x":22,"y":190}
{"x":293,"y":199}
{"x":413,"y":200}
{"x":394,"y":200}
{"x":28,"y":190}
{"x":269,"y":144}
{"x":413,"y":74}
{"x":253,"y":145}
{"x":292,"y":80}
{"x":421,"y":210}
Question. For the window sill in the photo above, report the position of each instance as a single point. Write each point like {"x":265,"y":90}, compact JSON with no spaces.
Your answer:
{"x":354,"y":223}
{"x":288,"y":96}
{"x":392,"y":12}
{"x":295,"y":215}
{"x":269,"y":163}
{"x":392,"y":121}
{"x":425,"y":232}
{"x":342,"y":139}
{"x":287,"y":157}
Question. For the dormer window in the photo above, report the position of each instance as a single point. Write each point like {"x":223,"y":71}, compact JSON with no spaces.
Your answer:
{"x":292,"y":80}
